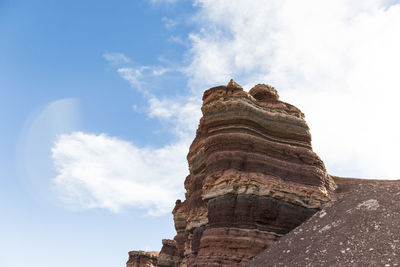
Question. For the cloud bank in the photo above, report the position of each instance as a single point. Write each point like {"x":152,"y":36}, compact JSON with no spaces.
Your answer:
{"x":336,"y":60}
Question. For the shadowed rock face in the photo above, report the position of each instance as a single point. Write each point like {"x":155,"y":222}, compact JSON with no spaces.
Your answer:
{"x":253,"y":177}
{"x":168,"y":256}
{"x":249,"y":211}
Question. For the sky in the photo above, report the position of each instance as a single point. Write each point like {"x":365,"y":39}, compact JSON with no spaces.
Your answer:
{"x":100,"y":100}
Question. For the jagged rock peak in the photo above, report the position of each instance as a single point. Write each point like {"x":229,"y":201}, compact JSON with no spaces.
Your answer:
{"x":264,"y":92}
{"x":233,"y":84}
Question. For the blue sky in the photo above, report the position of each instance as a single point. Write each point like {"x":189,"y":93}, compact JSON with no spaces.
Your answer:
{"x":99,"y":101}
{"x":53,"y":51}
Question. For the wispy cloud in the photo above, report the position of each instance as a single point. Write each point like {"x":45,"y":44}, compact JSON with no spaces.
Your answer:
{"x":138,"y":77}
{"x":182,"y":114}
{"x":116,"y":59}
{"x":169,"y":23}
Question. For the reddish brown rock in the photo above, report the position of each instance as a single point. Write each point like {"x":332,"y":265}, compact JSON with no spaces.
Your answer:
{"x":168,"y":256}
{"x":215,"y":241}
{"x":180,"y":217}
{"x":142,"y":259}
{"x":253,"y":177}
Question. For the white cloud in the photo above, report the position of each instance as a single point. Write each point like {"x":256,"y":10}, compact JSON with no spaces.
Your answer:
{"x":169,"y":23}
{"x":138,"y":77}
{"x":182,"y":114}
{"x":116,"y":59}
{"x":98,"y":171}
{"x":178,"y":40}
{"x":337,"y":60}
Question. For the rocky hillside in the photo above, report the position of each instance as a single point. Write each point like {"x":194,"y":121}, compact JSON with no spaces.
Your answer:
{"x":361,"y":228}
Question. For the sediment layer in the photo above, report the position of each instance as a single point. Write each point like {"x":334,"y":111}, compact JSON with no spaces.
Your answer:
{"x":253,"y":177}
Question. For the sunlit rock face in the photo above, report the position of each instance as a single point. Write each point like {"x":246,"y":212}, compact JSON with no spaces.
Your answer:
{"x":253,"y":177}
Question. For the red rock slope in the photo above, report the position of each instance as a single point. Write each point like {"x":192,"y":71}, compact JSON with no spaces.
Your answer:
{"x":253,"y":178}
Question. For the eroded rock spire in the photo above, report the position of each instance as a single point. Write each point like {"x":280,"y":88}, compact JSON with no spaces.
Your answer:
{"x":253,"y":178}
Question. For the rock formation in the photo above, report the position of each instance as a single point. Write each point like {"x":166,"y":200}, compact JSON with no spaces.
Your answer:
{"x":142,"y":259}
{"x":253,"y":178}
{"x":168,"y":256}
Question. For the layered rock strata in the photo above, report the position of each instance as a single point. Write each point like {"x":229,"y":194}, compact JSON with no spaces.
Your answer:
{"x":142,"y":259}
{"x":253,"y":177}
{"x":168,"y":256}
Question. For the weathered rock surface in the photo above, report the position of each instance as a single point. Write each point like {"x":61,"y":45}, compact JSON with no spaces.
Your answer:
{"x":168,"y":256}
{"x":257,"y":195}
{"x":360,"y":229}
{"x":253,"y":177}
{"x":142,"y":259}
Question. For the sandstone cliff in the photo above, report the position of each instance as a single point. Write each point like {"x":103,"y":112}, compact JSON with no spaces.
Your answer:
{"x":253,"y":178}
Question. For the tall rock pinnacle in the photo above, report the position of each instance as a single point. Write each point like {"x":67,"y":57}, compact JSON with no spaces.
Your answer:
{"x":253,"y":178}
